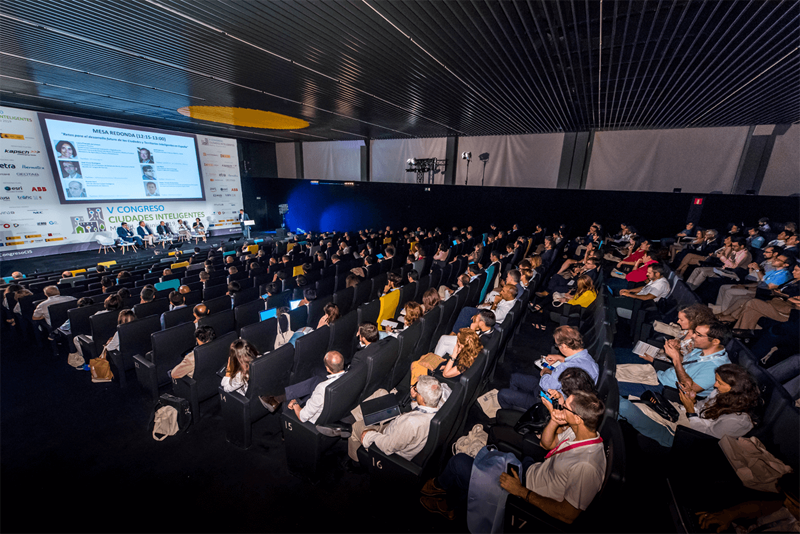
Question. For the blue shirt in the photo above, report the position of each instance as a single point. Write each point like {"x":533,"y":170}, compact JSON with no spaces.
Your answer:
{"x":579,"y":359}
{"x":777,"y":277}
{"x":701,"y":369}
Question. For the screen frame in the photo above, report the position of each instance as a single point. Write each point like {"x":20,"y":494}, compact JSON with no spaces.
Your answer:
{"x":54,"y":166}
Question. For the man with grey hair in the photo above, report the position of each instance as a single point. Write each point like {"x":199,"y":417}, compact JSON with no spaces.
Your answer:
{"x":54,"y":296}
{"x":405,"y":436}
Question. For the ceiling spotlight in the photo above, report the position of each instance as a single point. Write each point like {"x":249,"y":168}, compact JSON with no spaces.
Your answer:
{"x":413,"y":161}
{"x":466,"y":155}
{"x":409,"y":161}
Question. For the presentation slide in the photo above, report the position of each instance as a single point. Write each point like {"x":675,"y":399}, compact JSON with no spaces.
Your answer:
{"x":93,"y":160}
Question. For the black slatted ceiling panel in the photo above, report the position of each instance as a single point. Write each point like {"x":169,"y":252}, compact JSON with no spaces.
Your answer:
{"x":378,"y":69}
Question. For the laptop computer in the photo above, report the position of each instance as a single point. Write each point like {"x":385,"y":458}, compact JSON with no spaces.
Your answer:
{"x":380,"y":409}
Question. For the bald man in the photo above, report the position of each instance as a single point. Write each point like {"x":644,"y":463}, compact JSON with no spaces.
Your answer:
{"x":200,"y":311}
{"x":334,"y":365}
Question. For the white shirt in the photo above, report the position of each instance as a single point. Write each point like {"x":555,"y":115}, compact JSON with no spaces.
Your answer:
{"x":502,"y":309}
{"x":660,"y":288}
{"x":42,"y":309}
{"x":316,"y":402}
{"x":234,"y":384}
{"x":730,"y":424}
{"x":405,"y":436}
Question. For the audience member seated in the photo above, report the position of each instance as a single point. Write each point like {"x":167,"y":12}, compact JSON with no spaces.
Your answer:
{"x":407,"y":434}
{"x":727,"y":411}
{"x":713,"y":259}
{"x":777,"y":305}
{"x":687,"y":241}
{"x":695,"y":252}
{"x":482,"y":324}
{"x":148,"y":294}
{"x":523,"y":391}
{"x":695,"y":371}
{"x":499,"y":302}
{"x":563,"y":485}
{"x":466,"y":349}
{"x":237,"y":372}
{"x":583,"y":295}
{"x":774,"y":271}
{"x":430,"y":299}
{"x":203,"y":335}
{"x":200,"y":311}
{"x":145,"y":233}
{"x":739,"y":257}
{"x":127,"y":236}
{"x":124,"y":317}
{"x":54,"y":296}
{"x":176,"y":301}
{"x":331,"y":314}
{"x":315,"y":386}
{"x":656,"y":288}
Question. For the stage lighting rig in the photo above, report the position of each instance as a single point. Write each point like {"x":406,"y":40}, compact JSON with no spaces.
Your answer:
{"x":423,"y":166}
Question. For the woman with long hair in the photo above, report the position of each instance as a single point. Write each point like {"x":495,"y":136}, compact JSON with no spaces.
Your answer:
{"x":728,"y":411}
{"x":585,"y":293}
{"x":124,"y":317}
{"x":468,"y":346}
{"x":237,"y":373}
{"x":331,"y":314}
{"x":430,"y":299}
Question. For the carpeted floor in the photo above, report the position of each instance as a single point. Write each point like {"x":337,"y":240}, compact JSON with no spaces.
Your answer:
{"x":78,"y":456}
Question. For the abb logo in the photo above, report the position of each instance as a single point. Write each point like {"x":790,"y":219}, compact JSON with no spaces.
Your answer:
{"x":40,"y":189}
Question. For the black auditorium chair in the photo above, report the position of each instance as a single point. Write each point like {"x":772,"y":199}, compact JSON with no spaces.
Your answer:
{"x":218,"y":304}
{"x":343,"y":332}
{"x":168,"y":349}
{"x":392,"y":470}
{"x":221,"y":322}
{"x":309,"y":351}
{"x":212,"y":292}
{"x":247,"y":314}
{"x":407,"y":340}
{"x":269,"y":375}
{"x":316,"y":309}
{"x":343,"y":299}
{"x":134,"y":339}
{"x":430,"y":321}
{"x":379,"y":366}
{"x":520,"y":516}
{"x":377,"y":284}
{"x":102,"y":327}
{"x":179,"y":316}
{"x":261,"y":335}
{"x":447,"y":309}
{"x":304,"y":443}
{"x":299,"y":318}
{"x":156,"y":307}
{"x":361,"y":294}
{"x":245,"y":295}
{"x":208,"y":360}
{"x":369,"y":312}
{"x":407,"y":293}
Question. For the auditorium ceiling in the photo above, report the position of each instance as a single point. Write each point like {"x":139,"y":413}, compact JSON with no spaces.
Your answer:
{"x":379,"y":69}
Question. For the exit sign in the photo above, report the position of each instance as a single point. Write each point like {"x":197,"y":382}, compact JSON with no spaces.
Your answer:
{"x":698,"y":201}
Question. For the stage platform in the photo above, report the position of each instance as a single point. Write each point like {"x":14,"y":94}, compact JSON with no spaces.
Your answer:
{"x":80,"y":260}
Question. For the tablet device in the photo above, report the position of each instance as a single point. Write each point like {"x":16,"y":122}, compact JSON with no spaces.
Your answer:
{"x":293,"y":304}
{"x":268,"y":314}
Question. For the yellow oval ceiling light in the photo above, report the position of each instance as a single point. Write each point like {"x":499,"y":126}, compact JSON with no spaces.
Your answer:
{"x":251,"y":118}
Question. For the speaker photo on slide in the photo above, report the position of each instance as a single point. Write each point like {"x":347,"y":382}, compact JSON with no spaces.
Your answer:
{"x":66,"y":150}
{"x":148,"y":173}
{"x":144,"y":155}
{"x":75,"y":190}
{"x":151,"y":189}
{"x":71,"y":170}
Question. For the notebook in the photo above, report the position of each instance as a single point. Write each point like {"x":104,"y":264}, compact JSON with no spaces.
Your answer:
{"x":381,"y":409}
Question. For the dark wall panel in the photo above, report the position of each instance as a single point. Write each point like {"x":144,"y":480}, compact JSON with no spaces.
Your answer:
{"x":325,"y":206}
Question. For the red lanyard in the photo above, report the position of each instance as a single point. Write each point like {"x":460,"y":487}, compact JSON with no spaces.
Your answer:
{"x":557,"y":450}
